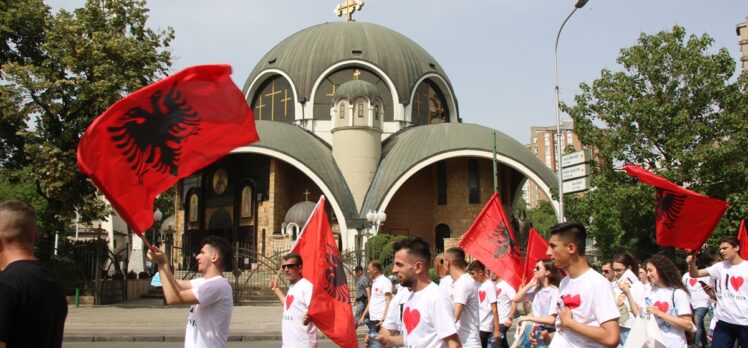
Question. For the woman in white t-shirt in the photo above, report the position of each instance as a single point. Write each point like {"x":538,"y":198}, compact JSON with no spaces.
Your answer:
{"x":543,"y":292}
{"x":669,"y":301}
{"x":629,"y":292}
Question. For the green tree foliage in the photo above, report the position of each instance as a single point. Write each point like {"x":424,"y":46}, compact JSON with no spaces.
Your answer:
{"x":674,"y":110}
{"x":58,"y":73}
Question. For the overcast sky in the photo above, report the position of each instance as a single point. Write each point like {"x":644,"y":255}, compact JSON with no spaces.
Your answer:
{"x":498,"y":54}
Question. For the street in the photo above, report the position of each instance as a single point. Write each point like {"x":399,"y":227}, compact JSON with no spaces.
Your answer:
{"x":258,"y":344}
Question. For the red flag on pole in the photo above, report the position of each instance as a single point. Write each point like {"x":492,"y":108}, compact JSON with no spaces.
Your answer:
{"x":142,"y":144}
{"x":743,"y":237}
{"x":536,"y":251}
{"x":330,"y":308}
{"x":685,"y":219}
{"x":490,"y":239}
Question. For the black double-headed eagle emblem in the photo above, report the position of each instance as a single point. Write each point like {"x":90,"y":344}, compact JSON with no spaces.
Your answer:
{"x":669,"y":206}
{"x":336,"y":285}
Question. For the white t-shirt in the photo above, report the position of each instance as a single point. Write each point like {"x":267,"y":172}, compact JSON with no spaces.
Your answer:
{"x":446,"y":285}
{"x":504,"y":295}
{"x":379,"y":288}
{"x":699,"y":297}
{"x":428,"y":318}
{"x":394,"y":318}
{"x":673,"y":302}
{"x":293,"y":330}
{"x":590,"y":298}
{"x":208,"y":321}
{"x":465,"y":292}
{"x":544,"y":301}
{"x":732,"y":291}
{"x":638,"y":293}
{"x":487,"y":297}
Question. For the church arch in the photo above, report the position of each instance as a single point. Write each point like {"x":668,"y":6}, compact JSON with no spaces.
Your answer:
{"x":274,"y":99}
{"x":438,"y":82}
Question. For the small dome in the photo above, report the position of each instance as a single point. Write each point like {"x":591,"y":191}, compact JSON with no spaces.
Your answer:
{"x":168,"y":226}
{"x":299,"y":213}
{"x":356,"y":88}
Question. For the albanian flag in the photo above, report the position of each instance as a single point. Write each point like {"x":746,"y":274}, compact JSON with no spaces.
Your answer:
{"x":743,"y":237}
{"x":536,"y":251}
{"x":685,"y":219}
{"x":144,"y":143}
{"x":490,"y":239}
{"x":330,"y":308}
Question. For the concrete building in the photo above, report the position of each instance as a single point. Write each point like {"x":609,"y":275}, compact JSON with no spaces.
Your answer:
{"x":742,"y":31}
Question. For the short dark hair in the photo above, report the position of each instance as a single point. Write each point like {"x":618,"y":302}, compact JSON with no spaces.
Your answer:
{"x":359,"y":269}
{"x":222,"y":246}
{"x":415,"y":246}
{"x":294,"y":256}
{"x":458,"y":256}
{"x":477,"y":266}
{"x":21,"y":225}
{"x":628,"y":260}
{"x":732,"y":240}
{"x":376,"y":264}
{"x":571,"y":232}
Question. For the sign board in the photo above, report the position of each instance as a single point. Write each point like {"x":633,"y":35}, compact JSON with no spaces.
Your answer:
{"x":576,"y":171}
{"x":577,"y":185}
{"x":576,"y":158}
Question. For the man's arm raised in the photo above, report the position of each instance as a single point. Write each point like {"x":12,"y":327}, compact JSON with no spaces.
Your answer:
{"x":175,"y":292}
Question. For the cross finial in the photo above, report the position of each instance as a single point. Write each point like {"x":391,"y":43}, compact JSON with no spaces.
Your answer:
{"x":356,"y":74}
{"x":306,"y":194}
{"x":348,"y":7}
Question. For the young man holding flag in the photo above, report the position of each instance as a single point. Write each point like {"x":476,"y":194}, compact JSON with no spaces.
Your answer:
{"x":297,"y":329}
{"x":730,"y":277}
{"x":210,"y":297}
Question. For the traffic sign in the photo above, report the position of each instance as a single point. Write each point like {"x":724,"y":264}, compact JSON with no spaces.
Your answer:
{"x":576,"y":158}
{"x":576,"y":185}
{"x":576,"y":171}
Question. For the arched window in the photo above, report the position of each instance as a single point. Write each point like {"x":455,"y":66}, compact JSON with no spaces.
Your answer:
{"x":441,"y":183}
{"x":377,"y":110}
{"x":473,"y":182}
{"x":341,"y":109}
{"x":360,"y":109}
{"x":442,"y":231}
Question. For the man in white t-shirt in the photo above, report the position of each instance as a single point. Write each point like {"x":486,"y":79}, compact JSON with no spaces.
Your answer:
{"x":379,"y":300}
{"x":445,"y":280}
{"x":210,"y":297}
{"x":700,"y":302}
{"x":488,"y":312}
{"x":731,"y":286}
{"x":428,"y":317}
{"x":297,"y":330}
{"x":504,"y":295}
{"x":465,"y":298}
{"x":588,"y":316}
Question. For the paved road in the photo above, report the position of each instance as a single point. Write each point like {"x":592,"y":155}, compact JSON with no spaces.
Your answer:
{"x":257,"y":344}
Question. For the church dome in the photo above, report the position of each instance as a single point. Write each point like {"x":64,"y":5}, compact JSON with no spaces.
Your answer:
{"x":357,"y":88}
{"x":299,"y":213}
{"x":305,"y":55}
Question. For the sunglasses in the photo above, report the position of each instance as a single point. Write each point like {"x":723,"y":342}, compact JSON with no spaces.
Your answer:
{"x":606,"y":271}
{"x":289,"y":266}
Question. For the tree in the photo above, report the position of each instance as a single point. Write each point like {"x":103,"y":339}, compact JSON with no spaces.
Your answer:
{"x":79,"y":63}
{"x":673,"y":110}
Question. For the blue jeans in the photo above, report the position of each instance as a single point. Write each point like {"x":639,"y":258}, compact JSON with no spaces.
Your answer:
{"x":698,"y":317}
{"x":725,"y":335}
{"x":373,"y":332}
{"x":624,"y":335}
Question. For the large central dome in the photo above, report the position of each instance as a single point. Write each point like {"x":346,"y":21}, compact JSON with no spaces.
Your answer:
{"x":305,"y":55}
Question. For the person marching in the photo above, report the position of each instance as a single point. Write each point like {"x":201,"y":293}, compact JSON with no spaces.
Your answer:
{"x":543,"y":292}
{"x":669,"y":301}
{"x":700,"y":302}
{"x":490,"y":331}
{"x":379,"y":300}
{"x":629,"y":292}
{"x":297,"y":330}
{"x":465,"y":298}
{"x":504,"y":295}
{"x":731,"y":285}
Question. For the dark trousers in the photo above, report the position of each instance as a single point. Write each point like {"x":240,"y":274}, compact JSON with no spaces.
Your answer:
{"x":698,"y":316}
{"x":725,"y":335}
{"x":504,"y":339}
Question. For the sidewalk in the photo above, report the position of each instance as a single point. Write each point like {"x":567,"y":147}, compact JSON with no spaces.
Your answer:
{"x":148,"y":320}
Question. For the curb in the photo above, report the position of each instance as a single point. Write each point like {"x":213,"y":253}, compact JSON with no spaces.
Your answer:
{"x":175,"y":338}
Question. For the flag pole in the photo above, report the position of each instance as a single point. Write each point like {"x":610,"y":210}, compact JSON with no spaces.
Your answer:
{"x":495,"y":176}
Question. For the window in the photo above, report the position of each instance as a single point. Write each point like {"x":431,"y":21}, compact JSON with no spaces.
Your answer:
{"x":473,"y":182}
{"x":376,"y":111}
{"x":341,"y":110}
{"x":360,"y":107}
{"x":441,"y":183}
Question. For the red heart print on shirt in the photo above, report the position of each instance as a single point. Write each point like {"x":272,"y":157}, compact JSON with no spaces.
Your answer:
{"x":411,"y":318}
{"x":692,"y":281}
{"x":736,"y":282}
{"x":289,"y":301}
{"x":663,"y":306}
{"x":376,"y":289}
{"x":482,"y":295}
{"x":498,"y":292}
{"x":572,"y":301}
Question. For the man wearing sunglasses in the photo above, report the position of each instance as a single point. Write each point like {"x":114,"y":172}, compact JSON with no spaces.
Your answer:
{"x":297,"y":330}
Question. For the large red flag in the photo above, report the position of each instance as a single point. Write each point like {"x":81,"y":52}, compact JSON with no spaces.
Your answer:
{"x":685,"y":219}
{"x":142,"y":144}
{"x":536,"y":251}
{"x":743,"y":237}
{"x":330,"y":308}
{"x":490,"y":239}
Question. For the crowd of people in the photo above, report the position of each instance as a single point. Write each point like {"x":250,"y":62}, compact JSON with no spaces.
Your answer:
{"x":567,"y":303}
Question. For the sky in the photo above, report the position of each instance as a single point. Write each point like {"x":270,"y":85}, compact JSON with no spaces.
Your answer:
{"x":498,"y":54}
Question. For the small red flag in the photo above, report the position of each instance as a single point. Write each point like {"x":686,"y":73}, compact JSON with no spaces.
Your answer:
{"x":743,"y":237}
{"x":685,"y":218}
{"x":330,"y":308}
{"x":536,"y":251}
{"x":142,"y":144}
{"x":490,"y":239}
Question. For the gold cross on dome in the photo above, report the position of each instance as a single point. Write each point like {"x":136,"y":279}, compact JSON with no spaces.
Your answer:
{"x":348,"y":7}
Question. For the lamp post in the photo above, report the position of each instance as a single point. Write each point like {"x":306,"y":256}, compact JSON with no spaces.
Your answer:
{"x":578,"y":5}
{"x":157,"y":215}
{"x":376,"y":219}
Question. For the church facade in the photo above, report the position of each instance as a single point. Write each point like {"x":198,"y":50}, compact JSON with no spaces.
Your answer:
{"x":365,"y":116}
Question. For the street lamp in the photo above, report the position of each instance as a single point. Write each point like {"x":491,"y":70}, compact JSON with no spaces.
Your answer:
{"x":578,"y":5}
{"x":376,"y":219}
{"x":157,"y":215}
